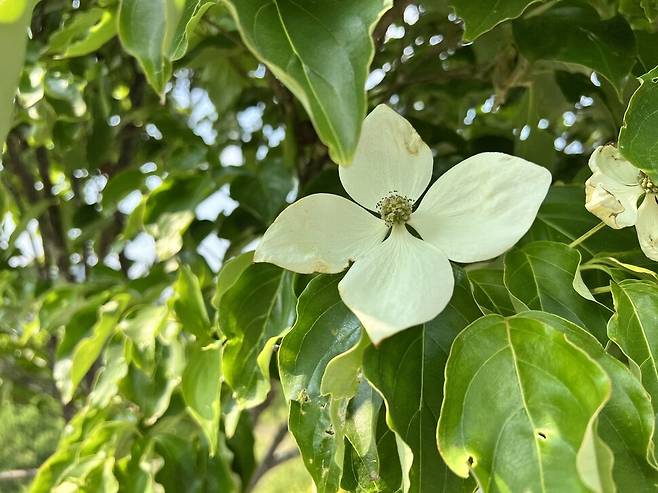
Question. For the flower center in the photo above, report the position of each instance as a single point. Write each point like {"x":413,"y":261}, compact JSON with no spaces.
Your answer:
{"x":395,"y":208}
{"x":647,"y":183}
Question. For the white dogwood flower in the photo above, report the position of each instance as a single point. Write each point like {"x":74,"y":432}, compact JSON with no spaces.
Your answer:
{"x":475,"y":211}
{"x":613,"y":192}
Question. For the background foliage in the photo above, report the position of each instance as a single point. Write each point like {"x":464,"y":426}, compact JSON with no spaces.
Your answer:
{"x":151,"y":143}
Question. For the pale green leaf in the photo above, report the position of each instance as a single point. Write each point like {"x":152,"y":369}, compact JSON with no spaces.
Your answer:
{"x":14,"y":20}
{"x":201,"y":385}
{"x":70,"y":369}
{"x":189,"y":305}
{"x":571,"y":32}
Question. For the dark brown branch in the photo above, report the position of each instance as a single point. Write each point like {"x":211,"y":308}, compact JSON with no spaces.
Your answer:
{"x":271,"y":459}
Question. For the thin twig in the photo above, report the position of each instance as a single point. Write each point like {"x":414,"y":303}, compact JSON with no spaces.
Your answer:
{"x":271,"y":459}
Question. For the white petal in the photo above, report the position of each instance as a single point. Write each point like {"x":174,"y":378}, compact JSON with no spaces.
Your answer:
{"x":647,"y":226}
{"x":320,"y":233}
{"x":481,"y":207}
{"x":608,"y":160}
{"x":390,"y":156}
{"x":611,"y":193}
{"x":400,"y":283}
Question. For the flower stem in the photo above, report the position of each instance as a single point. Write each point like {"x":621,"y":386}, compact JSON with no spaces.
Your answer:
{"x":601,"y":290}
{"x":586,"y":235}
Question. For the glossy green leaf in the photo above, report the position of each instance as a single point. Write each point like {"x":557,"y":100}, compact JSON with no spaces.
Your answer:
{"x":146,"y":30}
{"x":189,"y":305}
{"x":490,"y":292}
{"x":324,"y":329}
{"x":253,"y":313}
{"x":481,"y":17}
{"x":201,"y":385}
{"x":638,"y":135}
{"x":191,"y":15}
{"x":14,"y":20}
{"x":544,"y":275}
{"x":407,"y":369}
{"x":85,"y":33}
{"x":72,"y":367}
{"x":633,"y":328}
{"x":571,"y":32}
{"x":626,"y":423}
{"x":321,"y":50}
{"x":520,"y":400}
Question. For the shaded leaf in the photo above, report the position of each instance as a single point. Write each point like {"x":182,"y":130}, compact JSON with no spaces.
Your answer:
{"x":325,"y":328}
{"x":572,"y":32}
{"x":201,"y":385}
{"x":481,"y":17}
{"x":253,"y":313}
{"x":639,"y":134}
{"x":544,"y":275}
{"x":407,"y":369}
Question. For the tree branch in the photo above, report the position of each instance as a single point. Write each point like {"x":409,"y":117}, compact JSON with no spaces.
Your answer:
{"x":271,"y":458}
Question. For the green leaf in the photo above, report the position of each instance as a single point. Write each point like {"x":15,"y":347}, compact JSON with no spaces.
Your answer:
{"x":571,"y":32}
{"x":481,"y":17}
{"x":544,"y":275}
{"x":201,"y":386}
{"x":152,"y":390}
{"x":230,"y":273}
{"x":146,"y":30}
{"x":626,"y":423}
{"x":253,"y":313}
{"x":633,"y":328}
{"x":520,"y":399}
{"x":263,"y":192}
{"x":324,"y":329}
{"x":490,"y":292}
{"x":12,"y":10}
{"x":84,"y":34}
{"x":72,"y":367}
{"x":321,"y":51}
{"x":192,"y":13}
{"x":639,"y":134}
{"x":189,"y":305}
{"x":14,"y":20}
{"x":407,"y":369}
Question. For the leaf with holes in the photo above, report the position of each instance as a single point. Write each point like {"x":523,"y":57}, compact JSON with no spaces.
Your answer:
{"x":325,"y":328}
{"x":520,"y":406}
